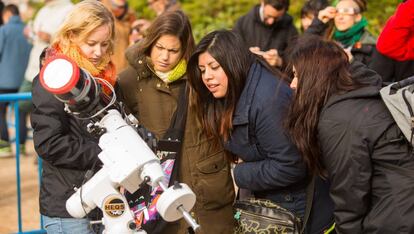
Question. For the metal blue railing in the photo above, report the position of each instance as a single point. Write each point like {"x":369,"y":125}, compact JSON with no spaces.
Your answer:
{"x":14,"y":98}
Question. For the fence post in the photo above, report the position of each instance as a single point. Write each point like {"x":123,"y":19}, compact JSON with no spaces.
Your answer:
{"x":15,"y":98}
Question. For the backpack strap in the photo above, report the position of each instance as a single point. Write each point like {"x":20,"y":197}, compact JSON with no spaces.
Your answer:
{"x":310,"y":190}
{"x":410,"y":110}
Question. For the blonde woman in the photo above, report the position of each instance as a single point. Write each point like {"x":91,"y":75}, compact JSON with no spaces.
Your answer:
{"x":68,"y":151}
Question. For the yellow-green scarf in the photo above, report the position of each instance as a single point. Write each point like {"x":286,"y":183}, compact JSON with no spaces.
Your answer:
{"x":175,"y":74}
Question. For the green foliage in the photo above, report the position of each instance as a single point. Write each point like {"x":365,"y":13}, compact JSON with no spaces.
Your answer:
{"x":378,"y":13}
{"x":141,"y":9}
{"x":208,"y":15}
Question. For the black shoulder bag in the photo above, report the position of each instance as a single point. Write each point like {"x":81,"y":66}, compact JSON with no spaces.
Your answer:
{"x":254,"y":216}
{"x":257,"y":216}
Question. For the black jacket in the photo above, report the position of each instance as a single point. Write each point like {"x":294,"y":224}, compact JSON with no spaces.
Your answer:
{"x":67,"y":150}
{"x":369,"y":163}
{"x":389,"y":69}
{"x":255,"y":33}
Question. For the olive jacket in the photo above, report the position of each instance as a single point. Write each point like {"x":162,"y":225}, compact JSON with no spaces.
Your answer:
{"x":202,"y":165}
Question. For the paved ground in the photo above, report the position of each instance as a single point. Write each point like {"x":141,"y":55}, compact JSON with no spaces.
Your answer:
{"x":30,"y":193}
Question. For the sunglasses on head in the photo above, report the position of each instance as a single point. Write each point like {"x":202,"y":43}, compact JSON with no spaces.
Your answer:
{"x":347,"y":11}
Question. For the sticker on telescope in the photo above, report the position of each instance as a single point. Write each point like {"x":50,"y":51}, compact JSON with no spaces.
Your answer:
{"x":114,"y":207}
{"x":59,"y":75}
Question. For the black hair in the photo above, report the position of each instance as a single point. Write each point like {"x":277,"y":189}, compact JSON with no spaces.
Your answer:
{"x":234,"y":57}
{"x":313,"y":7}
{"x":278,"y":4}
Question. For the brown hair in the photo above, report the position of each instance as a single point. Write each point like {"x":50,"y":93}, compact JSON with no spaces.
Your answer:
{"x":13,"y":9}
{"x":322,"y":69}
{"x":174,"y":23}
{"x":362,"y":4}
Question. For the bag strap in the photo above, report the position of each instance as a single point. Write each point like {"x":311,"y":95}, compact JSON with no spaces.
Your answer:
{"x":179,"y":117}
{"x":176,"y":129}
{"x":310,"y":189}
{"x":410,"y":110}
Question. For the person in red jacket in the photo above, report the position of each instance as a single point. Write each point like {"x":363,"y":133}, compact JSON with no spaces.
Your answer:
{"x":397,"y":38}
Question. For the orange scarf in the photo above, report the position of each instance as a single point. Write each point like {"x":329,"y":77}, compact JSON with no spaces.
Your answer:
{"x":105,"y":69}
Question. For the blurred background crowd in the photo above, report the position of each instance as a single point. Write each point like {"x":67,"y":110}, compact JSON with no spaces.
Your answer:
{"x":208,"y":15}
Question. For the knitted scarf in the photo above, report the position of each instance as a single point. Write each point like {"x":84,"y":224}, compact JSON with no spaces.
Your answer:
{"x":349,"y":37}
{"x":176,"y":73}
{"x":105,"y":69}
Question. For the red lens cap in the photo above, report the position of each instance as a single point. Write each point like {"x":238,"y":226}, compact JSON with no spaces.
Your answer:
{"x":59,"y":74}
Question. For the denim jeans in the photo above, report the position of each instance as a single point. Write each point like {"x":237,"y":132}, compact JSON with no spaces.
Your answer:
{"x":68,"y":226}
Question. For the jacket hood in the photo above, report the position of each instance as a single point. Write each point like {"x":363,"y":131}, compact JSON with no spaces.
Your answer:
{"x":241,"y":113}
{"x":138,"y":61}
{"x":132,"y":56}
{"x":369,"y":79}
{"x":15,"y":19}
{"x":285,"y":21}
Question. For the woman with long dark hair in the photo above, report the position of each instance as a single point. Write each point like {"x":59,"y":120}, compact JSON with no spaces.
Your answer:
{"x":242,"y":102}
{"x":344,"y":131}
{"x":154,"y":88}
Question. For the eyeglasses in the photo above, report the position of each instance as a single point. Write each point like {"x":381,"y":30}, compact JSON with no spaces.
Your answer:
{"x":347,"y":11}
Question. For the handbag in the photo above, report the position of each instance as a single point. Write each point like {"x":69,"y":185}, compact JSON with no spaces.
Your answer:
{"x":266,"y":217}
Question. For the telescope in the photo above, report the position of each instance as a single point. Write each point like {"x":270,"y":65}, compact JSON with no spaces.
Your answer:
{"x":127,"y":160}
